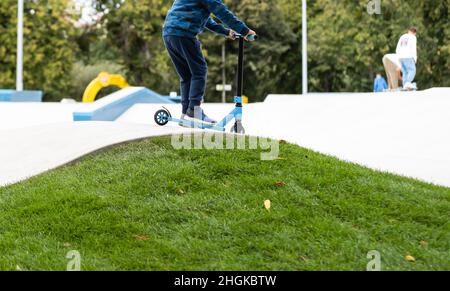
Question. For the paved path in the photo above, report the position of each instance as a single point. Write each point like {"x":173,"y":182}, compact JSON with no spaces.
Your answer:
{"x":29,"y":151}
{"x":403,"y":133}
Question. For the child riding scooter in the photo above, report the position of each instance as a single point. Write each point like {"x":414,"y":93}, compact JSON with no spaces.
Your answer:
{"x":184,"y":21}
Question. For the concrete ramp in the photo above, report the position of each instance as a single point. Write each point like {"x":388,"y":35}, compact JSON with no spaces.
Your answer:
{"x":20,"y":115}
{"x":406,"y":133}
{"x":114,"y":105}
{"x":30,"y":151}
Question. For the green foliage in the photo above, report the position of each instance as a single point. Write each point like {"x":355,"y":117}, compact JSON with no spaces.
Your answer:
{"x":93,"y":47}
{"x":48,"y":49}
{"x":272,"y":64}
{"x":135,"y":32}
{"x":82,"y":75}
{"x":346,"y":45}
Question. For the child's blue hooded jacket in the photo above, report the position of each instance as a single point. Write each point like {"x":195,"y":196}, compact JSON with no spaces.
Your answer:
{"x":190,"y":17}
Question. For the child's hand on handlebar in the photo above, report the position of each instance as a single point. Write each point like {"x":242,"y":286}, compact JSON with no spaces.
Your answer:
{"x":250,"y":32}
{"x":232,"y":34}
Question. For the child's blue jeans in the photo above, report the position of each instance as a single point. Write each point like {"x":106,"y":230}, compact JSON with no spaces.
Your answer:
{"x":408,"y":70}
{"x":186,"y":54}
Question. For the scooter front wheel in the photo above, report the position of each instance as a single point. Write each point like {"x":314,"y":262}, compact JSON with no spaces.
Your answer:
{"x":238,"y":128}
{"x":162,"y":117}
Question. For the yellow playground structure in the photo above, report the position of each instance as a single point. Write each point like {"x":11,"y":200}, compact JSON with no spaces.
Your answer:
{"x":103,"y":80}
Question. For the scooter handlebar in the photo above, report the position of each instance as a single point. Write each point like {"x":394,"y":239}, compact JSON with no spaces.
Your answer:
{"x":251,"y":37}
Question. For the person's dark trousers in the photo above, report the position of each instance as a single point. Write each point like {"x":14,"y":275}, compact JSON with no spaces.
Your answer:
{"x":186,"y":54}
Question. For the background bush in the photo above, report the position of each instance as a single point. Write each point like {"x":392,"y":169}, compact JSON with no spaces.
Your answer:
{"x":82,"y":75}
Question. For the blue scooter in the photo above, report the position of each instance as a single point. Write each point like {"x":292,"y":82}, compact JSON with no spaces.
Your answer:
{"x":163,"y":116}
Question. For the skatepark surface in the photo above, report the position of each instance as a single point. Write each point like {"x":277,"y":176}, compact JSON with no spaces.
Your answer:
{"x":406,"y":133}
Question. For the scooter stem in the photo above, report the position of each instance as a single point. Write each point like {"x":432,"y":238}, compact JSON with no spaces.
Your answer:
{"x":240,"y":75}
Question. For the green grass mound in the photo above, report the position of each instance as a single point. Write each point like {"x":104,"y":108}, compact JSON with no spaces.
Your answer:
{"x":147,"y":206}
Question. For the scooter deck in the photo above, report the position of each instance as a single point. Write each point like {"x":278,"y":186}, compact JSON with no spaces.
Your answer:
{"x":198,"y":125}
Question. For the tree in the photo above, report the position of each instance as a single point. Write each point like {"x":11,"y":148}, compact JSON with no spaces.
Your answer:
{"x":346,"y":44}
{"x":270,"y":62}
{"x":48,"y":50}
{"x":135,"y":31}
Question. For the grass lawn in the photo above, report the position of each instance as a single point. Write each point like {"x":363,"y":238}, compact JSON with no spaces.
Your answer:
{"x":146,"y":206}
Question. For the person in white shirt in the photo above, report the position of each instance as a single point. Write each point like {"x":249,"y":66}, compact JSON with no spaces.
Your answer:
{"x":393,"y":70}
{"x":407,"y":53}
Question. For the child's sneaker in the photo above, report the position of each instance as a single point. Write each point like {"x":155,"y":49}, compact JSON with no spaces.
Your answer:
{"x":410,"y":86}
{"x":199,"y":116}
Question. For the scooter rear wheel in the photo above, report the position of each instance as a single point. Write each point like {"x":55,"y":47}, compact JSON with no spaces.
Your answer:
{"x":162,"y":117}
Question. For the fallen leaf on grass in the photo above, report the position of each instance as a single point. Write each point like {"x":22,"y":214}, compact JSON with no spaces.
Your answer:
{"x":280,"y":184}
{"x":67,"y":245}
{"x":267,"y":204}
{"x":181,"y":191}
{"x":423,"y":243}
{"x":141,"y":237}
{"x":18,"y":268}
{"x":304,"y":259}
{"x":410,"y":258}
